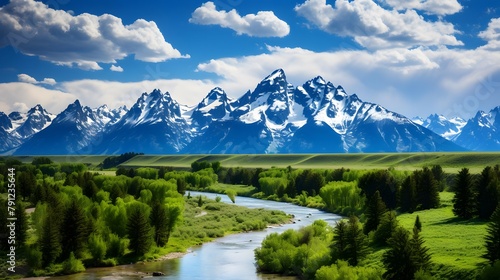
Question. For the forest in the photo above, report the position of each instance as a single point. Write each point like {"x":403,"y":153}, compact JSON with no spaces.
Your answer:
{"x":399,"y":224}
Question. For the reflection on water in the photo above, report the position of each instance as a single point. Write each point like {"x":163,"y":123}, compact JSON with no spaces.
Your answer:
{"x":226,"y":258}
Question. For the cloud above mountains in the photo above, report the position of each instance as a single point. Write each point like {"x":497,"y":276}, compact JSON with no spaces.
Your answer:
{"x":375,"y":27}
{"x":83,"y":40}
{"x":262,"y":24}
{"x":25,"y":78}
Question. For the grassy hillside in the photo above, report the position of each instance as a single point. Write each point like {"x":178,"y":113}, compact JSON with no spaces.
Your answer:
{"x":450,"y":162}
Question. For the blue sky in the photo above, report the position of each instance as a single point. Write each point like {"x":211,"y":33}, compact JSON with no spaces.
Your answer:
{"x":414,"y":57}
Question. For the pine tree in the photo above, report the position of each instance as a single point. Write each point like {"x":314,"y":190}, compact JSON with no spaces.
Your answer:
{"x":50,"y":241}
{"x":492,"y":239}
{"x":159,"y":222}
{"x":139,"y":230}
{"x":357,"y":242}
{"x":418,"y":224}
{"x":398,"y":260}
{"x":421,"y":256}
{"x":74,"y":230}
{"x":339,"y":243}
{"x":408,"y":195}
{"x":388,"y":225}
{"x":464,"y":199}
{"x":376,"y":208}
{"x":487,"y":189}
{"x":21,"y":224}
{"x":427,"y":189}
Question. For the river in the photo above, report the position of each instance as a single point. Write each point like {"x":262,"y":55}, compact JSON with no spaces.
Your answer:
{"x":227,"y":258}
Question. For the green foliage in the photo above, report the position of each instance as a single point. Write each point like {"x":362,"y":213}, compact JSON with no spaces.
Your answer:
{"x":488,"y":191}
{"x":232,"y":195}
{"x":147,"y":173}
{"x":398,"y":260}
{"x":384,"y":182}
{"x":492,"y":238}
{"x":97,"y":248}
{"x":139,"y":229}
{"x":374,"y":211}
{"x":388,"y":223}
{"x":464,"y":199}
{"x":300,"y":252}
{"x":34,"y":257}
{"x":426,"y":189}
{"x":113,"y":161}
{"x":72,"y":265}
{"x":340,"y":195}
{"x":41,"y":160}
{"x":342,"y":270}
{"x":490,"y":272}
{"x":74,"y":230}
{"x":408,"y":195}
{"x":116,"y":246}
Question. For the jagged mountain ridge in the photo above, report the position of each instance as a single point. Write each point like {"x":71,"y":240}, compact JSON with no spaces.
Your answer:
{"x":276,"y":117}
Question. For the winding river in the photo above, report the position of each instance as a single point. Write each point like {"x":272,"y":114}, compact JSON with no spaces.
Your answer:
{"x":227,"y":258}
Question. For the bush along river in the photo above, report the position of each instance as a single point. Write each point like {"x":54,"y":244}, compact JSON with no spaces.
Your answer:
{"x":227,"y":258}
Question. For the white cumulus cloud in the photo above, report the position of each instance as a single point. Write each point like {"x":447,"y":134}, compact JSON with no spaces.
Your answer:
{"x":492,"y":34}
{"x":436,"y":7}
{"x":115,"y":68}
{"x":83,"y":40}
{"x":374,"y":27}
{"x":262,"y":24}
{"x":25,"y":78}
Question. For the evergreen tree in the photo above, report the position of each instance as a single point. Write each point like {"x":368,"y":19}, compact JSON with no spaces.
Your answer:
{"x":487,"y":189}
{"x":464,"y":199}
{"x":21,"y":224}
{"x":174,"y":216}
{"x":388,"y":225}
{"x":181,"y":185}
{"x":408,"y":195}
{"x":398,"y":260}
{"x":74,"y":230}
{"x":357,"y":242}
{"x":427,"y":189}
{"x":50,"y":241}
{"x":421,"y":256}
{"x":384,"y":182}
{"x":492,"y":238}
{"x":339,"y":243}
{"x":376,"y":208}
{"x":139,"y":229}
{"x":159,"y":222}
{"x":438,"y":173}
{"x":418,"y":224}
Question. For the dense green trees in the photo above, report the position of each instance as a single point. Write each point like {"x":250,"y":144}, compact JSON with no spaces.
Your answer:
{"x":464,"y":199}
{"x":74,"y":230}
{"x":488,"y":191}
{"x":382,"y":181}
{"x":349,"y":242}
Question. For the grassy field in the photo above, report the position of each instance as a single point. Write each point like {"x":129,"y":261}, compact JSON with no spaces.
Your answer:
{"x":451,"y":162}
{"x":456,"y":245}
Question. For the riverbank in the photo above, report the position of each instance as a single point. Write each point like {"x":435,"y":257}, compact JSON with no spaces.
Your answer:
{"x":202,"y":223}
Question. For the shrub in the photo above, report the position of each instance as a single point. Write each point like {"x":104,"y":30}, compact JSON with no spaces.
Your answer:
{"x":72,"y":265}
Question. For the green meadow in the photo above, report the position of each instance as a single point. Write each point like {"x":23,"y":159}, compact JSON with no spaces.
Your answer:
{"x":451,"y":162}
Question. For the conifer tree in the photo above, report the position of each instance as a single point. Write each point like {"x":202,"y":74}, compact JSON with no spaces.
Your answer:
{"x":339,"y":243}
{"x":492,"y":239}
{"x":388,"y":224}
{"x":74,"y":230}
{"x":159,"y":222}
{"x":427,"y":190}
{"x":376,"y":208}
{"x":488,"y":192}
{"x":21,"y":224}
{"x":464,"y":199}
{"x":408,"y":195}
{"x":50,"y":241}
{"x":398,"y":260}
{"x":357,"y":242}
{"x":421,"y":256}
{"x":139,"y":229}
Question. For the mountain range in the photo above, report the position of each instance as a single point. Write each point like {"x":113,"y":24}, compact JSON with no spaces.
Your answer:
{"x":276,"y":117}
